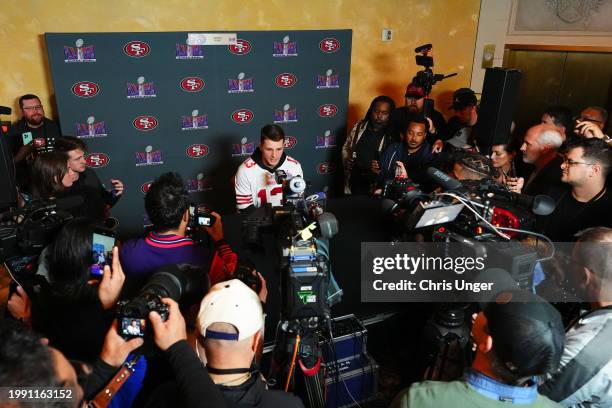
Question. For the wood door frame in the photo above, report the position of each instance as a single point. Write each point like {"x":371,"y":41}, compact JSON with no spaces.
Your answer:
{"x":562,"y":48}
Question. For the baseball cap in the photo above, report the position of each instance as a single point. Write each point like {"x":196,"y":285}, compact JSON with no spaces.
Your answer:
{"x":463,"y":97}
{"x":528,"y":334}
{"x":414,"y":91}
{"x":230,"y":302}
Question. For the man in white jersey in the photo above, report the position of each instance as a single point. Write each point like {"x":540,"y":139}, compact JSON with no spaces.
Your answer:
{"x":255,"y":182}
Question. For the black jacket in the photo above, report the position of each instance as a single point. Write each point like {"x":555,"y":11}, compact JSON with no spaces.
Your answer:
{"x":547,"y":181}
{"x":253,"y":393}
{"x":193,"y":388}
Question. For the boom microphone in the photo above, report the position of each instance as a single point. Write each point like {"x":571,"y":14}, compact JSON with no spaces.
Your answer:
{"x":444,"y":180}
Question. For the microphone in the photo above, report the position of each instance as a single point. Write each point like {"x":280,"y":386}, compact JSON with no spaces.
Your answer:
{"x":328,"y":224}
{"x":444,"y":180}
{"x":540,"y":204}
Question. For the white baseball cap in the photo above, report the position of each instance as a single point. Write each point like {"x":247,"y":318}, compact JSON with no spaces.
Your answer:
{"x":230,"y":302}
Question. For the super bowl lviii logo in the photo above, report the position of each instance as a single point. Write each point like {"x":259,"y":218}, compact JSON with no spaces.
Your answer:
{"x":285,"y":48}
{"x":286,"y":115}
{"x":90,"y":128}
{"x":242,"y":47}
{"x":199,"y":184}
{"x":244,"y":148}
{"x":240,"y":85}
{"x":326,"y":140}
{"x":189,"y":51}
{"x":140,"y":89}
{"x":149,"y":157}
{"x":195,"y":121}
{"x":85,"y":89}
{"x":80,"y":52}
{"x":97,"y":160}
{"x":136,"y":49}
{"x":329,"y":80}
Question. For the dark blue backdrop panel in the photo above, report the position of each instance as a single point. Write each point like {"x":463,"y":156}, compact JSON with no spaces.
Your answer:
{"x":146,"y":103}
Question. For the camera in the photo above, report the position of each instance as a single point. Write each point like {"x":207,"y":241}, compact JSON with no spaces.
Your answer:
{"x":245,"y":271}
{"x":426,"y":78}
{"x":183,"y":283}
{"x":200,"y":216}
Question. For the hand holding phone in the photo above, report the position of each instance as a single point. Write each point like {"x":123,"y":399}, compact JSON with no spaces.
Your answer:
{"x":103,"y":242}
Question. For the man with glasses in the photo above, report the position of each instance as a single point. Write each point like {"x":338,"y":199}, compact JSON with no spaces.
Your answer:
{"x":588,"y":203}
{"x":592,"y":123}
{"x":31,"y":135}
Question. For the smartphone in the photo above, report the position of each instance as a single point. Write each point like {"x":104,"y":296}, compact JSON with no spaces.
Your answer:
{"x":103,"y":242}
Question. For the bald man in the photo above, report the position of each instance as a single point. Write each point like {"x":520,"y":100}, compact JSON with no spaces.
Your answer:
{"x":540,"y":148}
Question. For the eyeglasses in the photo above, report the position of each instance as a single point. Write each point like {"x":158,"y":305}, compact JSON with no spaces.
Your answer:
{"x":35,"y":107}
{"x":570,"y":162}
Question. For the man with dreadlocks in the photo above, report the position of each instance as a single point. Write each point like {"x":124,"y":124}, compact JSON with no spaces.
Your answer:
{"x":364,"y":145}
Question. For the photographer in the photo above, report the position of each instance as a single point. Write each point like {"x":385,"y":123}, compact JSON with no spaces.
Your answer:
{"x":167,"y":205}
{"x":230,"y":336}
{"x":364,"y":145}
{"x":583,"y":378}
{"x":516,"y":337}
{"x":96,"y":199}
{"x":192,"y":384}
{"x":73,"y":311}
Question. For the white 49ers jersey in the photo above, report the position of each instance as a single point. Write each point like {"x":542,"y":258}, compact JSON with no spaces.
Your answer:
{"x":255,"y":185}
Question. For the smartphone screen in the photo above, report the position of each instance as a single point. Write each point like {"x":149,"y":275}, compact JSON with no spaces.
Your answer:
{"x":132,"y":327}
{"x":102,"y":247}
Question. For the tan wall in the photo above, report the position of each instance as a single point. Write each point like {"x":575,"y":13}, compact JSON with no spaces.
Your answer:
{"x":377,"y":67}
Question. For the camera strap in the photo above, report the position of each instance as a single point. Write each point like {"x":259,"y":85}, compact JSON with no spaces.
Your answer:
{"x":104,"y":397}
{"x":222,"y":371}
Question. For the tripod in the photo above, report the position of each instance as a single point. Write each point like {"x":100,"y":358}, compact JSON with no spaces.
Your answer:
{"x":296,"y":362}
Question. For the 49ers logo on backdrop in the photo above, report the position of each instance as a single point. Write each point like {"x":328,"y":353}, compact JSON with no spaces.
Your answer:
{"x":192,"y":84}
{"x":137,"y":49}
{"x":196,"y":151}
{"x":285,"y":80}
{"x":242,"y":116}
{"x":328,"y":110}
{"x":85,"y":89}
{"x":97,"y":159}
{"x":241,"y":47}
{"x":329,"y":45}
{"x":146,"y":186}
{"x":145,"y":123}
{"x":290,"y":142}
{"x":326,"y":168}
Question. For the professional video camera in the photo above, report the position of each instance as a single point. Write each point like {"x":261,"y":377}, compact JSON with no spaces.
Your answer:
{"x":426,"y":78}
{"x":26,"y":231}
{"x":302,"y":229}
{"x":183,"y":283}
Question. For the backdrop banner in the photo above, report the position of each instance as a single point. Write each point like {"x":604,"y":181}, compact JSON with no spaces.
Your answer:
{"x":148,"y":103}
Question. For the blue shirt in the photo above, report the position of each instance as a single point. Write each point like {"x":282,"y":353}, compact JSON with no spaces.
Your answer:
{"x":498,"y":391}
